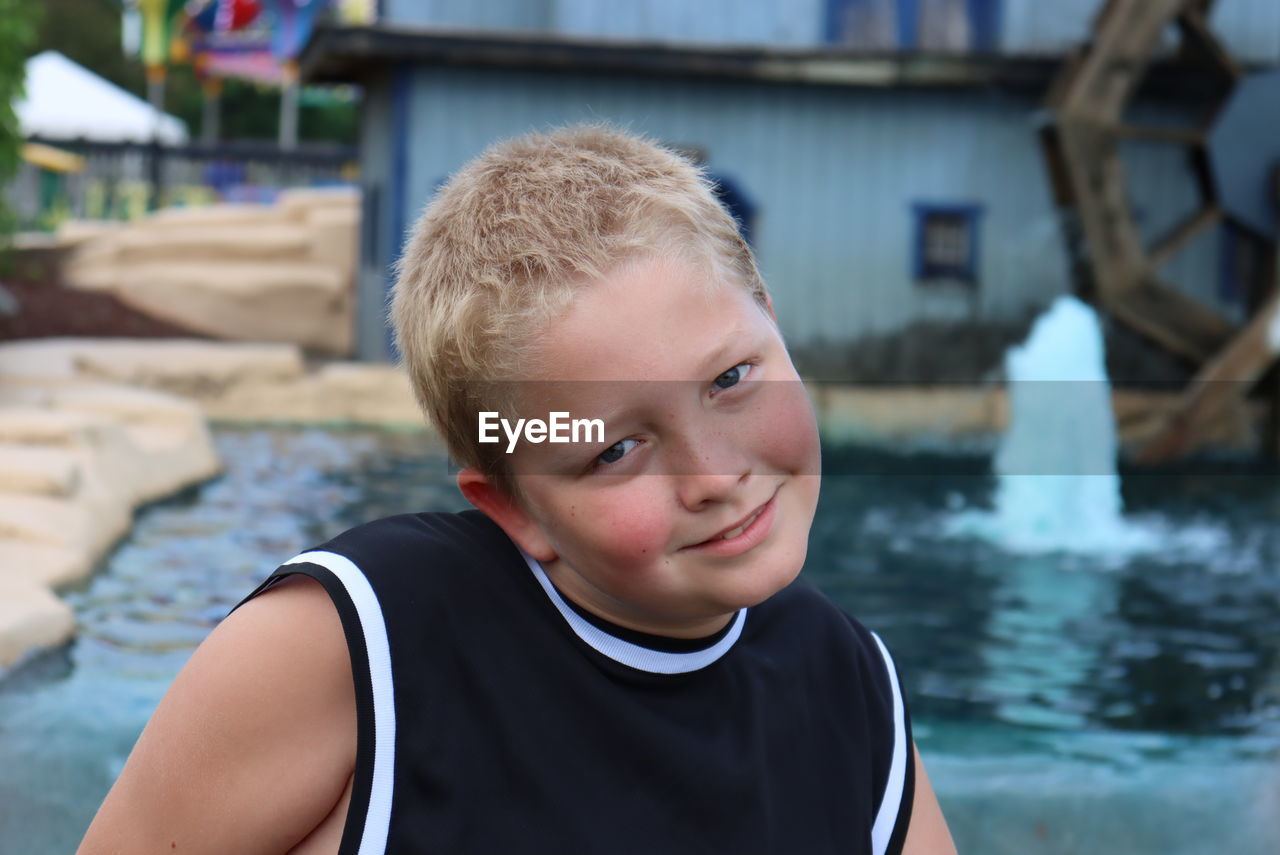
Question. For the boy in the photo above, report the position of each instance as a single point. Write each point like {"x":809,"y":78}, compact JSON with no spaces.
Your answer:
{"x":614,"y":656}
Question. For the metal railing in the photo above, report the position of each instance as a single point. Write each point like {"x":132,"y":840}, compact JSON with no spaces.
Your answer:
{"x":125,"y":180}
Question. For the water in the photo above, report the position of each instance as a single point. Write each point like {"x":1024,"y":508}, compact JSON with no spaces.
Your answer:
{"x":1063,"y":704}
{"x":1057,"y":487}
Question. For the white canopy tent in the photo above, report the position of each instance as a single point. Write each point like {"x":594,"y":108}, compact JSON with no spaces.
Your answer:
{"x":67,"y":101}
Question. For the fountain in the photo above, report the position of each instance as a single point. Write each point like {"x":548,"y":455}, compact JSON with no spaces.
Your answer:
{"x":1058,"y":490}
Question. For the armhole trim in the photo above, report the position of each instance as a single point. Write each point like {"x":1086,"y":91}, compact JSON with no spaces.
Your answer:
{"x":373,"y":629}
{"x":886,"y":821}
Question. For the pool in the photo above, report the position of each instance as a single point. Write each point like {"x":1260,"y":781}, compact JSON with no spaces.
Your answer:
{"x":1063,"y":703}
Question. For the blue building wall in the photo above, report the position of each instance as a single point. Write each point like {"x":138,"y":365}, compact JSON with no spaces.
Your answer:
{"x":793,"y":23}
{"x":1250,"y":27}
{"x":470,"y":14}
{"x":836,"y":174}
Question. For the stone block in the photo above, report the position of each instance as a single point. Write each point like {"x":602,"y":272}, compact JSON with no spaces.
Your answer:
{"x":187,"y":367}
{"x":38,"y":470}
{"x":303,"y":303}
{"x":77,"y":524}
{"x":213,"y":243}
{"x":238,"y":214}
{"x":335,"y":237}
{"x":49,"y":564}
{"x":31,"y":618}
{"x":300,"y":203}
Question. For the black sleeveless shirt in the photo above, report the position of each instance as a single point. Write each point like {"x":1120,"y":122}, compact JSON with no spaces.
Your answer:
{"x":496,"y":718}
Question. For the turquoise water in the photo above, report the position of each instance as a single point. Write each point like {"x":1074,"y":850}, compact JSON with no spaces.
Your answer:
{"x":1062,"y":703}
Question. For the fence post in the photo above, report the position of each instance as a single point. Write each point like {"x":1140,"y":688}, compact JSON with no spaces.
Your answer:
{"x":155,"y":173}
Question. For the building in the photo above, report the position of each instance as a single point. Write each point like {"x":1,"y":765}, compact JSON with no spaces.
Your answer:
{"x":905,"y":223}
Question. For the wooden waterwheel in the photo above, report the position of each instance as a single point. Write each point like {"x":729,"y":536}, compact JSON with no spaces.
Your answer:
{"x":1112,"y":265}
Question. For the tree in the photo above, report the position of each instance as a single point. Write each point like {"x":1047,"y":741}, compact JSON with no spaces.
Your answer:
{"x":17,"y":31}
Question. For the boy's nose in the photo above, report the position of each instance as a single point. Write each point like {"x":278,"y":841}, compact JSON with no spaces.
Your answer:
{"x":709,"y":474}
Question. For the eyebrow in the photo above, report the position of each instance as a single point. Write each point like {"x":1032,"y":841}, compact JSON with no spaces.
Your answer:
{"x":732,"y":342}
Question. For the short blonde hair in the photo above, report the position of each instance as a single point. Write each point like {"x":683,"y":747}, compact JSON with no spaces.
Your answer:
{"x":507,"y":241}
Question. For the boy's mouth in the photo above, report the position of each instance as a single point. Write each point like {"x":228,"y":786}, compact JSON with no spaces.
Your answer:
{"x":744,"y":534}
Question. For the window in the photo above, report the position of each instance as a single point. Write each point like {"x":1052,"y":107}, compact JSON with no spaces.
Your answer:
{"x":928,"y":25}
{"x":946,"y":242}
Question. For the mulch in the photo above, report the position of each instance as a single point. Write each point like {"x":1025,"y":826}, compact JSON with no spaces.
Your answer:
{"x":47,"y":308}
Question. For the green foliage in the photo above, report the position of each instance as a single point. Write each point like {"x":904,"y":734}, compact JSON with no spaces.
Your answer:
{"x":17,"y":30}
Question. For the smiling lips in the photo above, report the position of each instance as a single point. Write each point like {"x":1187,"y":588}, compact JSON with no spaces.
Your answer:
{"x":745,"y":535}
{"x":734,"y":532}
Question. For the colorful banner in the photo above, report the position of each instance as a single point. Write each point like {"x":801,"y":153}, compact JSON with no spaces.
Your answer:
{"x":225,"y":16}
{"x":291,"y":22}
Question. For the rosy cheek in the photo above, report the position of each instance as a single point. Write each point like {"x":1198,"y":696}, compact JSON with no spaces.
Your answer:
{"x":635,"y":527}
{"x":788,"y":438}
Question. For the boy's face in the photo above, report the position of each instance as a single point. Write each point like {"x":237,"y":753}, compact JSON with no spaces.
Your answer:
{"x":707,"y":428}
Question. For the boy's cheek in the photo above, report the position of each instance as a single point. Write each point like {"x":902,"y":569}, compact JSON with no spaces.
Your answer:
{"x":638,"y":529}
{"x":790,"y":435}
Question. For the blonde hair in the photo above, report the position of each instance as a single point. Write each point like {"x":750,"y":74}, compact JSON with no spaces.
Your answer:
{"x":507,"y":241}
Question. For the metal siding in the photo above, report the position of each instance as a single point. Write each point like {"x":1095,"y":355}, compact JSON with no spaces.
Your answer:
{"x":375,"y":179}
{"x":470,"y":14}
{"x":1034,"y":26}
{"x":834,"y":172}
{"x":782,"y":22}
{"x":1251,"y":28}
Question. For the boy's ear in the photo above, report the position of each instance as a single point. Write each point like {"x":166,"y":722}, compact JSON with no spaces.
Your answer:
{"x":498,"y":505}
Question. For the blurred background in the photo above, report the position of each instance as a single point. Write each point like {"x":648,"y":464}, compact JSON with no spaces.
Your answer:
{"x":1024,"y":254}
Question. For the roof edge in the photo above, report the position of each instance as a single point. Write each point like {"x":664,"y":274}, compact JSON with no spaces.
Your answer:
{"x":350,"y":54}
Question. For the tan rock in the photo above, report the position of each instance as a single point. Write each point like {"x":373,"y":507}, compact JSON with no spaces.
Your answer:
{"x":339,"y":393}
{"x":300,"y":302}
{"x":44,"y":358}
{"x":300,"y":203}
{"x":43,"y":426}
{"x":72,"y":233}
{"x":238,"y":214}
{"x":49,"y":564}
{"x":335,"y":237}
{"x":38,"y":470}
{"x":369,"y":393}
{"x":189,"y":367}
{"x":93,"y":274}
{"x":157,"y":444}
{"x":77,"y":455}
{"x":87,"y":527}
{"x":269,"y":273}
{"x":31,"y":618}
{"x":232,"y":242}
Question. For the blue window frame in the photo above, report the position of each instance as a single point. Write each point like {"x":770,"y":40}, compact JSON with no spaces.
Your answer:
{"x":896,"y":24}
{"x":945,"y":247}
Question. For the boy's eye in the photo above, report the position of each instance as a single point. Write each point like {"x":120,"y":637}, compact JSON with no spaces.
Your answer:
{"x":616,"y":452}
{"x":733,"y":376}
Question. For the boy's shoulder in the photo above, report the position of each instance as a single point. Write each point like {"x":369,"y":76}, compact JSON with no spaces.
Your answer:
{"x":420,"y":557}
{"x":429,"y":537}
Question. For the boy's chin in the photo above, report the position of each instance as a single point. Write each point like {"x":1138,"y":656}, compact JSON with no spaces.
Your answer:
{"x":766,"y":584}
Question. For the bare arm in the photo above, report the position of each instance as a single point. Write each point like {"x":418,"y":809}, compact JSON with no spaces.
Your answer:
{"x":928,"y":833}
{"x":254,"y":743}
